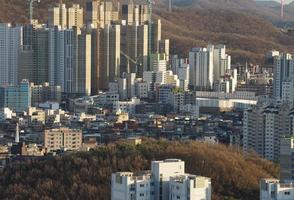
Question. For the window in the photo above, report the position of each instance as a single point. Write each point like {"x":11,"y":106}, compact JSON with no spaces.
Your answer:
{"x":141,"y":195}
{"x":287,"y":193}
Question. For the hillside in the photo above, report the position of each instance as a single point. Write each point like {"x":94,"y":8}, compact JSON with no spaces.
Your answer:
{"x":87,"y":175}
{"x":269,"y":10}
{"x":247,"y":36}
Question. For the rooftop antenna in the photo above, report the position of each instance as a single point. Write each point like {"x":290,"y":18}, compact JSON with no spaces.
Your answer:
{"x":282,"y":9}
{"x":31,"y":8}
{"x":170,"y":5}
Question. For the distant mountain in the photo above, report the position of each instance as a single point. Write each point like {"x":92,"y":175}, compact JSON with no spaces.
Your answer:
{"x":247,"y":37}
{"x":269,"y":10}
{"x":236,"y":23}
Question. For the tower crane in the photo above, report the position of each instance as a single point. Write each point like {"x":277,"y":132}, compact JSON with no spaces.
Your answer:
{"x":135,"y":61}
{"x":31,"y":8}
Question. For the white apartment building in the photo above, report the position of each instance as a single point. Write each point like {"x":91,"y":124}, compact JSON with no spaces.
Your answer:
{"x":167,"y":181}
{"x":283,"y":189}
{"x":183,"y":75}
{"x":6,"y":113}
{"x":273,"y":189}
{"x":122,"y":88}
{"x":154,"y":78}
{"x":263,"y":126}
{"x":201,"y":68}
{"x":190,"y":187}
{"x":127,"y":186}
{"x":283,"y":72}
{"x":106,"y":98}
{"x":126,"y":106}
{"x":221,"y":61}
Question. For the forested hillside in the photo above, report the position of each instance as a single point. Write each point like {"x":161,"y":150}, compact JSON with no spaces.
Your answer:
{"x":87,"y":175}
{"x":248,"y":36}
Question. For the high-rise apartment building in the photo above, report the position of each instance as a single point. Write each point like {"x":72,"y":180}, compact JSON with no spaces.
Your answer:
{"x":65,"y":17}
{"x":283,"y":82}
{"x":34,"y":54}
{"x":10,"y":45}
{"x":221,"y":61}
{"x":70,"y":60}
{"x":56,"y":61}
{"x":156,"y":35}
{"x":286,"y":158}
{"x":26,"y":61}
{"x":57,"y":16}
{"x":110,"y":52}
{"x":164,"y":48}
{"x":95,"y":59}
{"x":201,"y":68}
{"x":84,"y":63}
{"x":282,"y":189}
{"x":127,"y":13}
{"x":101,"y":13}
{"x":262,"y":129}
{"x":40,"y":48}
{"x":134,"y":43}
{"x":134,"y":14}
{"x":167,"y":181}
{"x":75,"y":16}
{"x":109,"y":13}
{"x":93,"y":13}
{"x":62,"y":139}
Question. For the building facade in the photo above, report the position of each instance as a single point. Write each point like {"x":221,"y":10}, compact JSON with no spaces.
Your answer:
{"x":62,"y":139}
{"x":167,"y":181}
{"x":17,"y":98}
{"x":11,"y":41}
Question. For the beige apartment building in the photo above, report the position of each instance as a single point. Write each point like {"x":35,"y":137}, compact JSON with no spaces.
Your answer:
{"x":66,"y":17}
{"x":75,"y":16}
{"x":62,"y":138}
